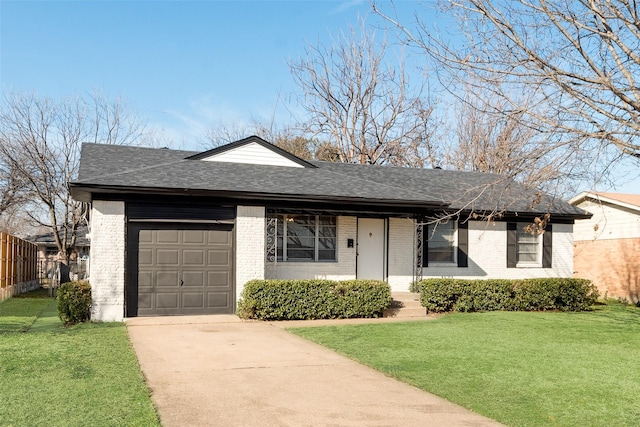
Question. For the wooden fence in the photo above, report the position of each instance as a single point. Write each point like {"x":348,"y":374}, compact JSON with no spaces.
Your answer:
{"x":18,"y":266}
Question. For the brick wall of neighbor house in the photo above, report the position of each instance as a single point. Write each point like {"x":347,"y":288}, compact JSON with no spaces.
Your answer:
{"x":607,"y":249}
{"x":108,"y":244}
{"x":613,"y":265}
{"x":343,"y":269}
{"x":249,"y":245}
{"x":487,"y":254}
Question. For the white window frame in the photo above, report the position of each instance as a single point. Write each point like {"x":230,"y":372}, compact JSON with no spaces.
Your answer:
{"x":316,"y":240}
{"x":454,"y":244}
{"x":539,"y":247}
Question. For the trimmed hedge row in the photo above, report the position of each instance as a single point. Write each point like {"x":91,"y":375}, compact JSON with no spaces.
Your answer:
{"x":444,"y":295}
{"x":313,"y":299}
{"x":74,"y":302}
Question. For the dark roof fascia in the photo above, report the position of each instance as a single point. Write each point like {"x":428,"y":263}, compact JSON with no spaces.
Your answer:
{"x":508,"y":216}
{"x":263,"y":198}
{"x":249,"y":140}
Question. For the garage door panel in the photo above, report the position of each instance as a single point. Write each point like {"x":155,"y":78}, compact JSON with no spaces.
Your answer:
{"x":192,"y":300}
{"x":146,"y":236}
{"x":145,"y":279}
{"x":167,"y":300}
{"x":185,"y":271}
{"x":197,"y":237}
{"x":166,"y":257}
{"x":220,"y":258}
{"x":168,"y":236}
{"x":167,"y":278}
{"x":220,"y":278}
{"x":145,"y":300}
{"x":193,"y":278}
{"x":193,"y":257}
{"x":218,"y":299}
{"x":145,"y":257}
{"x":219,"y":237}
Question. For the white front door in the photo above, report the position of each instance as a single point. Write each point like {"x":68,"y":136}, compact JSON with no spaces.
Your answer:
{"x":371,"y":253}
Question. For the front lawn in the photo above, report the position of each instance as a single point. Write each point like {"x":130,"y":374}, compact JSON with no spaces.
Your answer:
{"x":85,"y":375}
{"x":522,"y":369}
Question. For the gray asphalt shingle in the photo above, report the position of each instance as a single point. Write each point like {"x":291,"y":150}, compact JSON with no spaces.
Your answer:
{"x":130,"y":167}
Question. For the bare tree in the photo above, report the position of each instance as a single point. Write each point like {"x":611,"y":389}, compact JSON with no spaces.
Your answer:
{"x":11,"y":189}
{"x":359,"y":100}
{"x":577,"y":61}
{"x":40,"y":142}
{"x":487,"y":138}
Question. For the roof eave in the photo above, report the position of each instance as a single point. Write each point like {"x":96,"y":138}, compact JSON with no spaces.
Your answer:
{"x":85,"y":192}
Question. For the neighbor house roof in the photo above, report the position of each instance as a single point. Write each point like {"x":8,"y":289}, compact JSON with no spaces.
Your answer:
{"x":630,"y":201}
{"x":47,"y":239}
{"x":126,"y":169}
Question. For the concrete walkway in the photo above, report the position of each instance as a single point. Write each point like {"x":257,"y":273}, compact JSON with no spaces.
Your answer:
{"x":221,"y":371}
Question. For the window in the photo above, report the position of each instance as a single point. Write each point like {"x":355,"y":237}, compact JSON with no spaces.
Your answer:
{"x":446,"y":243}
{"x":306,"y":238}
{"x":528,"y":250}
{"x":442,"y":242}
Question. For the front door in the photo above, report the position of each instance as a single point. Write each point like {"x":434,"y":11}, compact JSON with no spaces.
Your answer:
{"x":371,"y":254}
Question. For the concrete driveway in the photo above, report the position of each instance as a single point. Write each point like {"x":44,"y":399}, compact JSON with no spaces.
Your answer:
{"x":221,"y":371}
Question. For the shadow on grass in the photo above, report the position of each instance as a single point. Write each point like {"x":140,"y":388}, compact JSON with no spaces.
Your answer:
{"x":30,"y":312}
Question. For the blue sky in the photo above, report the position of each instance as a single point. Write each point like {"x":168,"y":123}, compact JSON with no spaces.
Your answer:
{"x":182,"y":65}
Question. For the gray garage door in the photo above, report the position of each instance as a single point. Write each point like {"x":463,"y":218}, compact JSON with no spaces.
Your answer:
{"x":185,"y":271}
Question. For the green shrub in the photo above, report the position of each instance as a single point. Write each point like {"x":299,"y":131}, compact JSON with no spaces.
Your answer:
{"x":313,"y":299}
{"x":74,"y":302}
{"x":444,"y":295}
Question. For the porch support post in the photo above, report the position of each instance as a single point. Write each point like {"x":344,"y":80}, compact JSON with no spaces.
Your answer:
{"x":271,"y":245}
{"x":417,"y":275}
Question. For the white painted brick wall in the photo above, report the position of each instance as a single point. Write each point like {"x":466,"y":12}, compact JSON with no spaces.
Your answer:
{"x":250,"y":245}
{"x":107,"y":261}
{"x":487,"y":255}
{"x":343,"y":269}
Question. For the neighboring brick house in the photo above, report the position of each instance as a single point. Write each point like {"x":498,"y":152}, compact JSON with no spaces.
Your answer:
{"x":178,"y":232}
{"x":607,"y":246}
{"x":48,"y":254}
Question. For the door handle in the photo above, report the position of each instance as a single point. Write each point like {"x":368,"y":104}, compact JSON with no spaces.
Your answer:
{"x":181,"y":282}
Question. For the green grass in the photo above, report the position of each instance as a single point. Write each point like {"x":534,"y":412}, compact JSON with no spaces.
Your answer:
{"x":85,"y":375}
{"x":522,"y":369}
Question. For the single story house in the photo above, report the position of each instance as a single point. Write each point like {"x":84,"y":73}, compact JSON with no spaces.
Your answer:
{"x":48,"y":254}
{"x":607,"y":245}
{"x":181,"y":232}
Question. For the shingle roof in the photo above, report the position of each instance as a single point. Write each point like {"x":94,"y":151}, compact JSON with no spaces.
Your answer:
{"x":107,"y":167}
{"x":631,"y":199}
{"x":46,"y":239}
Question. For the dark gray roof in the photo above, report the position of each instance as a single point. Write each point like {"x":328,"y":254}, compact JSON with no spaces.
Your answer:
{"x":46,"y":239}
{"x":111,"y":168}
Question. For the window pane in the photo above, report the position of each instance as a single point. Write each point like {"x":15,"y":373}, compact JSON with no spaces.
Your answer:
{"x":441,"y":239}
{"x":327,"y":220}
{"x":280,"y":248}
{"x":527,"y":245}
{"x":300,"y":248}
{"x":298,"y":234}
{"x":326,"y":243}
{"x":299,"y":254}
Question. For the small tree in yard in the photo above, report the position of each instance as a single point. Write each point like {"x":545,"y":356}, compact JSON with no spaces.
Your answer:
{"x":40,"y":146}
